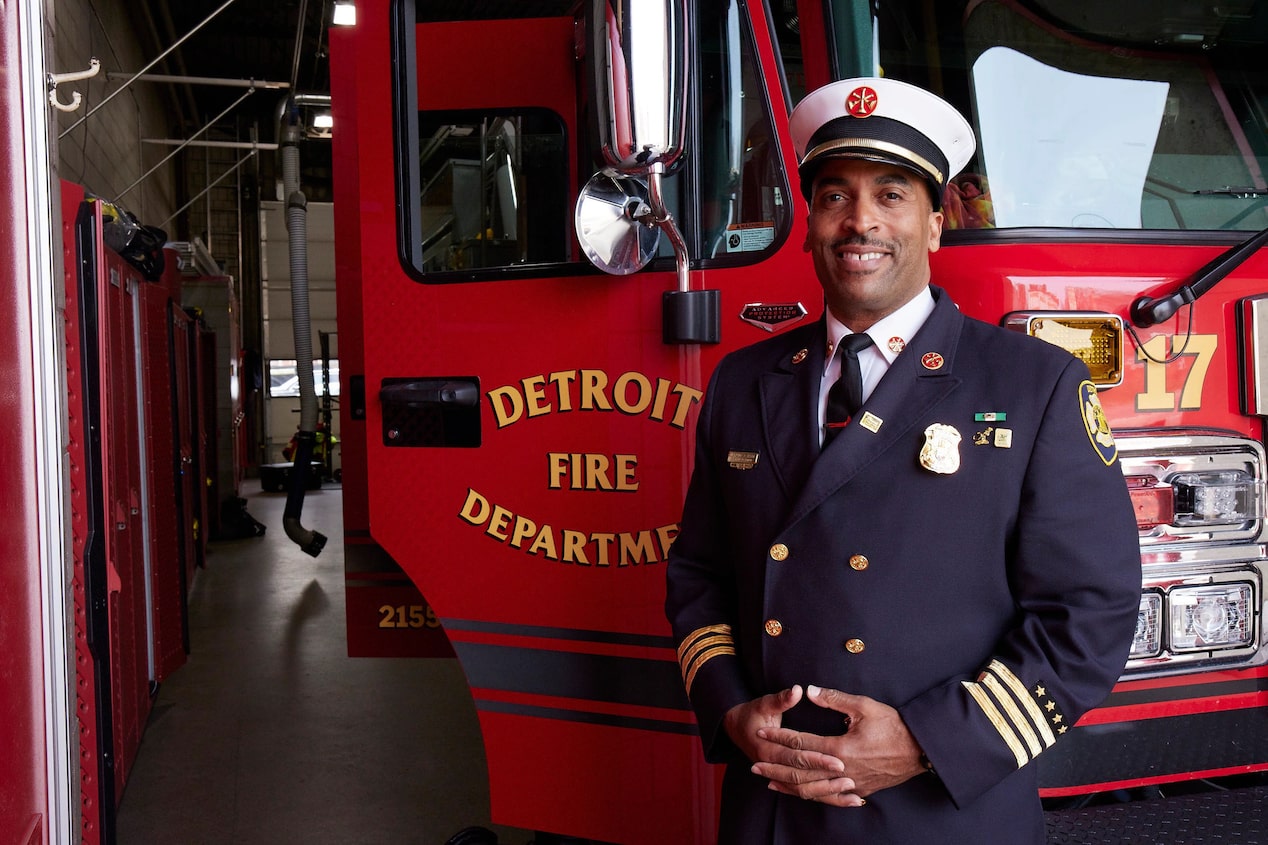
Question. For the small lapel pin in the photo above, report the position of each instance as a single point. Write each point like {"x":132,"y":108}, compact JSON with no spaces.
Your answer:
{"x":800,"y":356}
{"x":932,"y":361}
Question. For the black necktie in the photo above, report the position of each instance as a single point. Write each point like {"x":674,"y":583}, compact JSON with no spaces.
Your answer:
{"x":846,"y":395}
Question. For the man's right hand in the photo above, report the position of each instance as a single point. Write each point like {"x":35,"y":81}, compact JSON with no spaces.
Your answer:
{"x":743,"y":721}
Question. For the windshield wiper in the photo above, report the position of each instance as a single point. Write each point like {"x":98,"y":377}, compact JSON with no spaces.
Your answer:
{"x":1150,"y":311}
{"x":1247,"y":193}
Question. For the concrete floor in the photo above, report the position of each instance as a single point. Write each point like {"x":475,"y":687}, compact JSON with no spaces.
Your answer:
{"x":271,"y":734}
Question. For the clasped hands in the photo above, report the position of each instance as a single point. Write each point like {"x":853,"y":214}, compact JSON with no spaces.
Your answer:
{"x":874,"y":751}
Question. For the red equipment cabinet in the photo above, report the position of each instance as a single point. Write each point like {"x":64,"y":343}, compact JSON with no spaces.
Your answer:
{"x":133,"y":515}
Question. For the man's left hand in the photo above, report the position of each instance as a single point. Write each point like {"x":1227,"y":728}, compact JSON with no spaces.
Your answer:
{"x":877,"y":749}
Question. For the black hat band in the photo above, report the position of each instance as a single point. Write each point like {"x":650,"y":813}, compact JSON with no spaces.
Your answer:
{"x":878,"y":136}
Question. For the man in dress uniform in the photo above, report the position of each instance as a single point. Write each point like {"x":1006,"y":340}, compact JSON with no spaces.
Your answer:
{"x":908,"y":562}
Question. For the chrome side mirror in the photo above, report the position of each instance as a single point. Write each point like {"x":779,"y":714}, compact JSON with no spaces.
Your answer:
{"x":639,"y":51}
{"x":638,"y":57}
{"x":613,"y":224}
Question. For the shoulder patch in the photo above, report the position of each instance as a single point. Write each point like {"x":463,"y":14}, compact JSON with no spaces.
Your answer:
{"x":1098,"y":430}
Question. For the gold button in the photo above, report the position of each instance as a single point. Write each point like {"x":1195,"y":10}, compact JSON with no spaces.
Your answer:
{"x":779,"y":551}
{"x":858,"y":562}
{"x":774,"y":627}
{"x":852,"y":645}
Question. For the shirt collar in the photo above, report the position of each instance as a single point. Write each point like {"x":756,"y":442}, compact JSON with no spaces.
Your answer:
{"x":892,"y":333}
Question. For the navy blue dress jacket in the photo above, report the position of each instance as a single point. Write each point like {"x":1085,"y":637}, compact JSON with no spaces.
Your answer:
{"x":991,"y":600}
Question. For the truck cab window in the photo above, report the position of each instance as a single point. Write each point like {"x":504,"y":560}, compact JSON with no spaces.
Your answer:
{"x":744,"y":201}
{"x":1123,"y":116}
{"x":494,"y":146}
{"x":494,"y":189}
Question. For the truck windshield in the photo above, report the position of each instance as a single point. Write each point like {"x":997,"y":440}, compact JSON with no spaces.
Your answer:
{"x":1150,"y":114}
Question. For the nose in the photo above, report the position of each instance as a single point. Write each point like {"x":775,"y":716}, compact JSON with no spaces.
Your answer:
{"x":860,"y":215}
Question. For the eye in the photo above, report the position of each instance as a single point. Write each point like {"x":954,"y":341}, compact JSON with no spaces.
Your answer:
{"x":828,"y":198}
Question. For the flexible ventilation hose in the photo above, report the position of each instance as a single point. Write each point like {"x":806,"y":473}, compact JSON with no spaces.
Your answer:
{"x":310,"y":541}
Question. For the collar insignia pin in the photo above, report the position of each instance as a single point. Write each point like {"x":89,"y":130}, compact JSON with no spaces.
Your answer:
{"x":897,"y":344}
{"x":800,"y":356}
{"x":932,"y":361}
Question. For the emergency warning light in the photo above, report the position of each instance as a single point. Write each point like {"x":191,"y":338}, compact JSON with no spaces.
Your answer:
{"x":1227,"y":497}
{"x":1094,"y":338}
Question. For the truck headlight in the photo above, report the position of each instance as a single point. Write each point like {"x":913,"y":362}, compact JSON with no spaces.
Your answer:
{"x":1211,"y":617}
{"x":1148,"y":639}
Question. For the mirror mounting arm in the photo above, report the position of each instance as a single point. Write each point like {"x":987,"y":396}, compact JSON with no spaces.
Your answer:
{"x":662,"y":218}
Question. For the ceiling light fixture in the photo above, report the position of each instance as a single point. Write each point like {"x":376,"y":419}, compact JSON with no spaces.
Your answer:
{"x":345,"y":14}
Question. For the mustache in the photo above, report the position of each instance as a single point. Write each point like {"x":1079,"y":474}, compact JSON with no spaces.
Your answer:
{"x":862,"y":241}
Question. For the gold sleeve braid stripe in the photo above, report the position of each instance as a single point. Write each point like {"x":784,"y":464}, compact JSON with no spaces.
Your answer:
{"x":1011,"y":710}
{"x":997,"y":719}
{"x":1008,"y":707}
{"x":1015,"y":685}
{"x":701,"y":646}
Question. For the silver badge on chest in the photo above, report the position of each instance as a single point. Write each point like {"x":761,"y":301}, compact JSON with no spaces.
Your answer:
{"x":941,"y":452}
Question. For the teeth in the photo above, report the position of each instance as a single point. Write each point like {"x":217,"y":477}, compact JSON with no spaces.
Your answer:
{"x":867,"y":256}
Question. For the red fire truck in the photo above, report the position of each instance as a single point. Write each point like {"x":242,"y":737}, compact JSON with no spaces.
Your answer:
{"x":521,"y":424}
{"x":517,"y":424}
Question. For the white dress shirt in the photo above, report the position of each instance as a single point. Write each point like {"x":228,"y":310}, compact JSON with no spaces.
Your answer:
{"x":890,"y":335}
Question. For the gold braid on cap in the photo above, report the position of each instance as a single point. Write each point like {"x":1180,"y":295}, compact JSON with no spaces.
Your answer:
{"x":880,"y":146}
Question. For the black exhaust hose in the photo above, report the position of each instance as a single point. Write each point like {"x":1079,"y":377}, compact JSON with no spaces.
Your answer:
{"x":311,"y":542}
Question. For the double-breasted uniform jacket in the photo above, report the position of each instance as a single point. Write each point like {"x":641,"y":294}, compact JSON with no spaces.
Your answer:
{"x":988,"y":591}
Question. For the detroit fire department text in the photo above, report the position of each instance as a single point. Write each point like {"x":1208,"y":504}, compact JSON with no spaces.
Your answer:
{"x":631,"y":393}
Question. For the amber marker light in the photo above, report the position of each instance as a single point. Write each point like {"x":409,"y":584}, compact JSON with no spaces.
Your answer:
{"x":1094,"y":338}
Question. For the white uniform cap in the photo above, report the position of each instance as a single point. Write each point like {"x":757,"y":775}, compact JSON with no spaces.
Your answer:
{"x":881,"y":120}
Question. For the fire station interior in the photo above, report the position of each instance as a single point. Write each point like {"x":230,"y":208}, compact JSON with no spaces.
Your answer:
{"x":256,"y":726}
{"x":269,"y":732}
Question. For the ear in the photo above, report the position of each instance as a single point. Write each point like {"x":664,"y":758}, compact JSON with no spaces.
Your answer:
{"x":805,"y":245}
{"x":935,"y":230}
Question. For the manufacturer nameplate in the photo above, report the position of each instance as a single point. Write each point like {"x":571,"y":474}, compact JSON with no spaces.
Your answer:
{"x":772,"y":316}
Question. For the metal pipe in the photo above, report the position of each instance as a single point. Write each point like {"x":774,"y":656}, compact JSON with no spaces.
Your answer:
{"x":168,"y":157}
{"x":223,"y":82}
{"x":156,"y":60}
{"x":299,"y":41}
{"x":228,"y":145}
